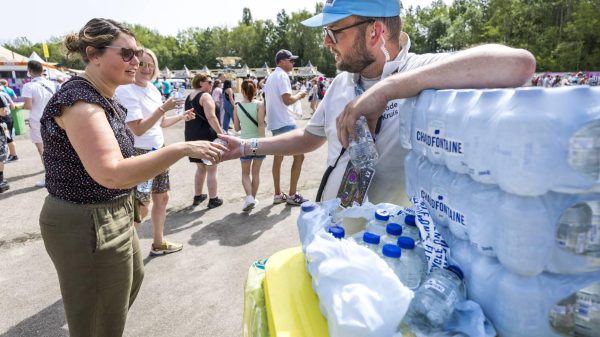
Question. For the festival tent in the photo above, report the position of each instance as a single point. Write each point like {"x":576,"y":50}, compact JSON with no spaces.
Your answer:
{"x":308,"y":71}
{"x":263,"y":72}
{"x":166,"y":73}
{"x":205,"y":71}
{"x":7,"y":55}
{"x":243,"y":72}
{"x":49,"y":67}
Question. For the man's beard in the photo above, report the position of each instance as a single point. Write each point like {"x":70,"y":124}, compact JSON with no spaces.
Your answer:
{"x":357,"y":59}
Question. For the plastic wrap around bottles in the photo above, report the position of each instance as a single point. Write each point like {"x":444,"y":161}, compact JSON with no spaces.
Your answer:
{"x":526,"y":140}
{"x":555,"y":232}
{"x":546,"y":305}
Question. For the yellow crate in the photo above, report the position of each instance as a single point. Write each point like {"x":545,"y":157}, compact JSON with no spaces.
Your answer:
{"x":292,"y":305}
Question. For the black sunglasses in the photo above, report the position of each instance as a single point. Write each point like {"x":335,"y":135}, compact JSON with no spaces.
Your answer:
{"x":331,"y":32}
{"x":127,"y":53}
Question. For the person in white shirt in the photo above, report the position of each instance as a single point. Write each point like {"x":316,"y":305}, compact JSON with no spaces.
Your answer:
{"x":280,"y":120}
{"x":36,"y":95}
{"x":146,"y":118}
{"x":372,"y":53}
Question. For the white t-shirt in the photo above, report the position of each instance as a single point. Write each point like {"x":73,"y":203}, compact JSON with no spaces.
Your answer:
{"x":141,"y":102}
{"x":278,"y":114}
{"x":388,"y":182}
{"x":40,"y":90}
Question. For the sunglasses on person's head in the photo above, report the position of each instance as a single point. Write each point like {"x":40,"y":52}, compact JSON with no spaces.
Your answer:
{"x":127,"y":53}
{"x":331,"y":32}
{"x":146,"y":65}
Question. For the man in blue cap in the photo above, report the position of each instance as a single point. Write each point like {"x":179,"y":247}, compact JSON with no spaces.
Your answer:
{"x":373,"y":54}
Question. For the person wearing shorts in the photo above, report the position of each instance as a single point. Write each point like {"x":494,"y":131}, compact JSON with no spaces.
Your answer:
{"x":249,"y":118}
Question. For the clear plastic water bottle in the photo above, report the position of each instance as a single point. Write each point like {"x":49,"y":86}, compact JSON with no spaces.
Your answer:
{"x":410,"y":228}
{"x":362,"y":151}
{"x":434,"y":301}
{"x":413,"y":265}
{"x":180,"y":97}
{"x":338,"y":232}
{"x":146,"y":186}
{"x":216,"y":141}
{"x":587,"y":311}
{"x":371,"y":241}
{"x":593,"y":246}
{"x":392,"y":233}
{"x":574,"y":228}
{"x":584,"y":150}
{"x":562,"y":316}
{"x":391,"y":255}
{"x":378,"y":224}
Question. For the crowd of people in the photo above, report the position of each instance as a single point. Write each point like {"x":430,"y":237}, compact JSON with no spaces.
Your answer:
{"x":101,"y":136}
{"x":550,"y":80}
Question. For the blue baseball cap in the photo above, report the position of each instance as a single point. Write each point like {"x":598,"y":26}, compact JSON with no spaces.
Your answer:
{"x":336,"y":10}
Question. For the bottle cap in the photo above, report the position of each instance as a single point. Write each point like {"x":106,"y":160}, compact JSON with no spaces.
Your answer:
{"x":393,"y":229}
{"x":369,"y":237}
{"x":382,"y":214}
{"x":456,"y":270}
{"x":308,"y":206}
{"x":410,"y":220}
{"x":392,"y":251}
{"x":337,"y":232}
{"x":406,"y":242}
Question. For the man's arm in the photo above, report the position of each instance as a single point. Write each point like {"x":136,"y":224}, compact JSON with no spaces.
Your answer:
{"x":289,"y":99}
{"x":295,"y":142}
{"x":486,"y":66}
{"x":27,"y":103}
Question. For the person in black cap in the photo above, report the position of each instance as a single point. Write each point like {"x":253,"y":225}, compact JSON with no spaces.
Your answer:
{"x":372,"y":54}
{"x":280,"y":119}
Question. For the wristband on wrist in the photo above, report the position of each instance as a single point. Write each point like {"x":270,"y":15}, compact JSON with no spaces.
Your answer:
{"x":242,"y":148}
{"x":254,"y":145}
{"x":161,"y":109}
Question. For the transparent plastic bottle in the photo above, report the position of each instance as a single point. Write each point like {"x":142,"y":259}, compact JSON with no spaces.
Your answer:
{"x":180,"y":97}
{"x":593,"y":246}
{"x":587,"y":311}
{"x":216,"y":141}
{"x":392,"y":233}
{"x":362,"y":151}
{"x":410,"y":229}
{"x":146,"y":186}
{"x":562,"y":316}
{"x":391,"y":255}
{"x":378,"y":224}
{"x":574,"y":228}
{"x":584,"y":150}
{"x":371,"y":241}
{"x":338,"y":232}
{"x":434,"y":301}
{"x":413,"y":265}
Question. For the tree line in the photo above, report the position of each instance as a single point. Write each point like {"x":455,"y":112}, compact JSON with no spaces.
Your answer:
{"x":563,"y":35}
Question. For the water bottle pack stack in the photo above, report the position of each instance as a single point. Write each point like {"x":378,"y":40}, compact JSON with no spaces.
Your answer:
{"x":511,"y":176}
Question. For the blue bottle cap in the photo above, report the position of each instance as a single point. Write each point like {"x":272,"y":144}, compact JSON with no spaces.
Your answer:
{"x":337,"y":232}
{"x":308,"y":206}
{"x":369,"y":237}
{"x":393,"y":229}
{"x":382,"y":214}
{"x":406,"y":242}
{"x":456,"y":270}
{"x":410,"y":220}
{"x":392,"y":251}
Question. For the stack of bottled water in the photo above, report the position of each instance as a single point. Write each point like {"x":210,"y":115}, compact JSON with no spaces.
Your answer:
{"x":363,"y":153}
{"x":512,"y":177}
{"x":378,"y":225}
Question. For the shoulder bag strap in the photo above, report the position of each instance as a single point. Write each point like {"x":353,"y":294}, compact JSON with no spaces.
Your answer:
{"x":247,"y":114}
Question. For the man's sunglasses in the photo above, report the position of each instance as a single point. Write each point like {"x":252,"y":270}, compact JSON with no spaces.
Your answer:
{"x":331,"y":32}
{"x":127,"y":53}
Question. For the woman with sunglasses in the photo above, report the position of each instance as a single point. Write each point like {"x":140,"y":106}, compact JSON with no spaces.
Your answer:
{"x":146,"y":118}
{"x":204,"y":127}
{"x":87,"y":219}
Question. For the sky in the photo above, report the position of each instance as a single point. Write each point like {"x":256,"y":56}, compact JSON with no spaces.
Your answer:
{"x":43,"y":19}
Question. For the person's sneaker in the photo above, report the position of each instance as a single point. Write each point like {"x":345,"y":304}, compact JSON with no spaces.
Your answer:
{"x":4,"y":186}
{"x":11,"y":158}
{"x":279,"y":198}
{"x":198,"y":199}
{"x":295,"y":200}
{"x":214,"y":202}
{"x":41,"y":183}
{"x":249,"y":203}
{"x":165,"y":248}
